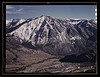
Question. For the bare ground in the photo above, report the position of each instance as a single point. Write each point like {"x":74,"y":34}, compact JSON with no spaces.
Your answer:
{"x":26,"y":60}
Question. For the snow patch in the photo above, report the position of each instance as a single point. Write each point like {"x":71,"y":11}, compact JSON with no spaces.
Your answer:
{"x":75,"y":37}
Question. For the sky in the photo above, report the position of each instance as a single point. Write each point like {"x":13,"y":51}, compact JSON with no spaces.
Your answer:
{"x":58,"y":11}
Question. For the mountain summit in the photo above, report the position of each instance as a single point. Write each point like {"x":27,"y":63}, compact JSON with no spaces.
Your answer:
{"x":55,"y":36}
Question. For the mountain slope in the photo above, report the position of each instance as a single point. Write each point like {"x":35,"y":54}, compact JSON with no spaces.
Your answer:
{"x":55,"y":36}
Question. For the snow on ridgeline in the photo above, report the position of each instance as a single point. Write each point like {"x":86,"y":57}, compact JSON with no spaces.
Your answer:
{"x":70,"y":20}
{"x":16,"y":21}
{"x":46,"y":30}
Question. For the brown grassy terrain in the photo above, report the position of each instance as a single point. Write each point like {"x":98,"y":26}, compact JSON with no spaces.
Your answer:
{"x":24,"y":57}
{"x":20,"y":59}
{"x":37,"y":62}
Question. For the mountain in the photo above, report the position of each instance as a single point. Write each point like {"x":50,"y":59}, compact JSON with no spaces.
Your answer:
{"x":59,"y":37}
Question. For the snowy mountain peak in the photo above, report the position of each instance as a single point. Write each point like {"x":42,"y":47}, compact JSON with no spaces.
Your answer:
{"x":57,"y":34}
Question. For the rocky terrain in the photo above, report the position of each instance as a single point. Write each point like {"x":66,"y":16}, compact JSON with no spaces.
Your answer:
{"x":47,"y":45}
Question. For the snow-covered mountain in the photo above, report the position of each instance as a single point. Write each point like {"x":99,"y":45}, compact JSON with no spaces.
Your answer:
{"x":55,"y":36}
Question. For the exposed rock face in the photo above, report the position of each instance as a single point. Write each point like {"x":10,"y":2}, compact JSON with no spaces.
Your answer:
{"x":59,"y":37}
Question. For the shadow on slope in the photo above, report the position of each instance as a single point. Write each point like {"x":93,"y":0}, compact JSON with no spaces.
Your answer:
{"x":85,"y":57}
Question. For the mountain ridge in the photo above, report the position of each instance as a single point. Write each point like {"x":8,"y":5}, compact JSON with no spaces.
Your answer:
{"x":55,"y":36}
